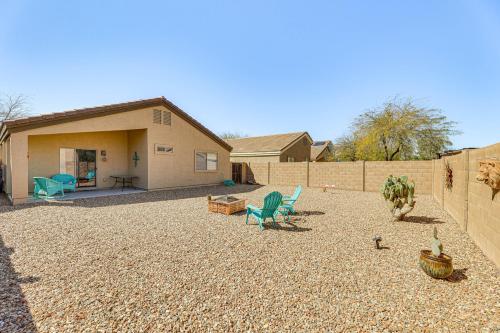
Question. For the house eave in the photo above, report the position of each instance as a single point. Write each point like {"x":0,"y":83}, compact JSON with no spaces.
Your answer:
{"x":305,"y":134}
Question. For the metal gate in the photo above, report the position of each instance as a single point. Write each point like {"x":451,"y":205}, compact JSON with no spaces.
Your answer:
{"x":237,"y":169}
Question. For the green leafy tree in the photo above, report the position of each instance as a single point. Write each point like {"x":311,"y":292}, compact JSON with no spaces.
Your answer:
{"x":401,"y":130}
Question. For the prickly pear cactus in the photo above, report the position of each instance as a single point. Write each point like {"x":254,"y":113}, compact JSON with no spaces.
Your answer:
{"x":436,"y":246}
{"x":398,"y":192}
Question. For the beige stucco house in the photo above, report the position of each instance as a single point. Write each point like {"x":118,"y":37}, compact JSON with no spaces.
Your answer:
{"x":288,"y":147}
{"x":321,"y":151}
{"x":150,"y":139}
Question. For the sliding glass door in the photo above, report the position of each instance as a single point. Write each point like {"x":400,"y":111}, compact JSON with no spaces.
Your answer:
{"x":80,"y":163}
{"x":86,"y":167}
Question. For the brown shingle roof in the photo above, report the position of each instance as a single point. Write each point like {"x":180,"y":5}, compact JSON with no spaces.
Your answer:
{"x":268,"y":143}
{"x":21,"y":124}
{"x":317,"y":148}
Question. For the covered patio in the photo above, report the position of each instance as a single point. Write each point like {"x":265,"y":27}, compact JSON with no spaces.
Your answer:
{"x":93,"y":158}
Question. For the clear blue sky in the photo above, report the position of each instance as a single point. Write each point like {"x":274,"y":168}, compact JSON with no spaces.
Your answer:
{"x":260,"y":67}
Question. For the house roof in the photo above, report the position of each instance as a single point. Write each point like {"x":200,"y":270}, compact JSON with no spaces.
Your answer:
{"x":270,"y":144}
{"x":318,"y":147}
{"x":18,"y":125}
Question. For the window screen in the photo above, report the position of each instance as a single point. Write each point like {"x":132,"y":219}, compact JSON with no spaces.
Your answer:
{"x":201,"y":161}
{"x":206,"y":161}
{"x":211,"y":161}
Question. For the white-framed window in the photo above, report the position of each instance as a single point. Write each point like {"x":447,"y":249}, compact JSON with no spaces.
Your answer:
{"x":162,"y":149}
{"x":291,"y":159}
{"x":205,"y":161}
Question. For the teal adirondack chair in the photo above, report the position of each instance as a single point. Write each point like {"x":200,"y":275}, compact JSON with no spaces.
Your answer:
{"x":90,"y":175}
{"x":68,"y":181}
{"x":46,"y":188}
{"x":287,"y":203}
{"x":271,"y":203}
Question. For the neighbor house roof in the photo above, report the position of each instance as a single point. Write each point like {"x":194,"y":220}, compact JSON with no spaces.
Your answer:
{"x":319,"y":147}
{"x":18,"y":125}
{"x":266,"y":145}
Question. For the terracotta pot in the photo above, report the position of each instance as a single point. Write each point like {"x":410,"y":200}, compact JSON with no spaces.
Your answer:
{"x":436,"y":267}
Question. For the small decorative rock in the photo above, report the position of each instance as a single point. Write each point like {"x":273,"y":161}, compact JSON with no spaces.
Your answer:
{"x":377,"y":240}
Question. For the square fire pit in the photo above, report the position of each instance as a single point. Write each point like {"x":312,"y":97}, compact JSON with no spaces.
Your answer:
{"x":226,"y":205}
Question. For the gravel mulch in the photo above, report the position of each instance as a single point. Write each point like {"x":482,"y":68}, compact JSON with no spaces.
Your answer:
{"x":160,"y":262}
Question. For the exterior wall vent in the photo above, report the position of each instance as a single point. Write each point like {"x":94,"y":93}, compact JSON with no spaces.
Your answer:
{"x":167,"y":118}
{"x":162,"y":149}
{"x":156,"y":116}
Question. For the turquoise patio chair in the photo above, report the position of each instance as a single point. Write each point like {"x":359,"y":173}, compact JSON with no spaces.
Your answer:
{"x":287,"y":202}
{"x":90,"y":175}
{"x":229,"y":182}
{"x":68,"y":181}
{"x":46,"y":188}
{"x":271,"y":203}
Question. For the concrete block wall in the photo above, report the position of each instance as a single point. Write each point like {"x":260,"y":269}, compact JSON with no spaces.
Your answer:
{"x":438,"y":181}
{"x":357,"y":176}
{"x":259,"y":172}
{"x":288,"y":173}
{"x":470,"y":201}
{"x":345,"y":175}
{"x":483,"y":218}
{"x":454,"y":199}
{"x":419,"y":171}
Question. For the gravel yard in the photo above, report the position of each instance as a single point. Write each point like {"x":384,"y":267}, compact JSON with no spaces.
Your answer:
{"x":160,"y":262}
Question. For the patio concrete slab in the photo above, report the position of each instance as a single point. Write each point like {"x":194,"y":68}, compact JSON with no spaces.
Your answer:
{"x":87,"y":194}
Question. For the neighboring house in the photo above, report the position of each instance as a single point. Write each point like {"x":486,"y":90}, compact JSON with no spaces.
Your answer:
{"x":321,"y":151}
{"x":289,"y":147}
{"x":151,"y":139}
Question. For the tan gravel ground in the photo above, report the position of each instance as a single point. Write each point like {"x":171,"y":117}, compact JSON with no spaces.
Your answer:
{"x":160,"y":262}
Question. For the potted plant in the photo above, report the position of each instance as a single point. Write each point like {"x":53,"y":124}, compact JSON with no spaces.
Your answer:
{"x":398,"y":192}
{"x":434,"y":262}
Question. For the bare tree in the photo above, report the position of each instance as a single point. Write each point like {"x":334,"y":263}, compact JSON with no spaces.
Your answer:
{"x":344,"y":148}
{"x":13,"y":107}
{"x":231,"y":135}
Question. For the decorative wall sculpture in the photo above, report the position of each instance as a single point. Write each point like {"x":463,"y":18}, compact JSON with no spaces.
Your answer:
{"x":448,"y":176}
{"x":489,"y":173}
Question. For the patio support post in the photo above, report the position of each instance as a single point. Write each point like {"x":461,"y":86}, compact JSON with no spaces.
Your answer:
{"x":268,"y":173}
{"x":18,"y":168}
